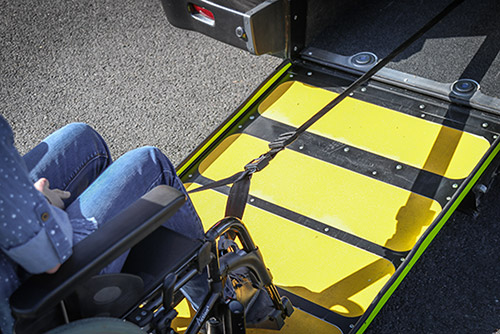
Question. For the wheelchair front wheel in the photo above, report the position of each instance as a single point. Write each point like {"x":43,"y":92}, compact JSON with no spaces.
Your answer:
{"x":98,"y":326}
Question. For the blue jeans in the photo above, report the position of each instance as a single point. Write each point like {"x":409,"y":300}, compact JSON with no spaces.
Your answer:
{"x":76,"y":159}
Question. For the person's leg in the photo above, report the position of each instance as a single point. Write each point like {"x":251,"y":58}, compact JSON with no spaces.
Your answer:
{"x":70,"y":158}
{"x":126,"y":180}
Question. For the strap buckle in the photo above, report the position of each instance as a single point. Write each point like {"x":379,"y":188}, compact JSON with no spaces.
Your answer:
{"x":258,"y":164}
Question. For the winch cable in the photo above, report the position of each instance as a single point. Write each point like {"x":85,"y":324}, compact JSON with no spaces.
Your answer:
{"x":238,"y":194}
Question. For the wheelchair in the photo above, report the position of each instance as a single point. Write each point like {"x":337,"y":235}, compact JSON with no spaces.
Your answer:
{"x":143,"y":297}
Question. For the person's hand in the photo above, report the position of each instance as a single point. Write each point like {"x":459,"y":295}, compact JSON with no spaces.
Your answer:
{"x":54,"y":196}
{"x":53,"y":270}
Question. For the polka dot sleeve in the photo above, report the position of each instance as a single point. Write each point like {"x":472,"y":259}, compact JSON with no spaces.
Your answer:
{"x":33,"y":233}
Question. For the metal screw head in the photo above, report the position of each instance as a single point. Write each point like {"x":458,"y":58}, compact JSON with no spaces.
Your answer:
{"x":363,"y":89}
{"x":301,"y":147}
{"x":484,"y":125}
{"x":374,"y":172}
{"x":327,"y":229}
{"x":448,"y":198}
{"x":190,"y":175}
{"x":423,"y":115}
{"x":399,"y":167}
{"x":422,"y":106}
{"x":240,"y":32}
{"x":346,"y":149}
{"x":454,"y":185}
{"x":295,"y":48}
{"x":309,"y":73}
{"x":252,"y":117}
{"x":495,"y":137}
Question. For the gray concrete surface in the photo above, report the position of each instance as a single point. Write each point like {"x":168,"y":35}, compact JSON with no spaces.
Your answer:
{"x":119,"y":66}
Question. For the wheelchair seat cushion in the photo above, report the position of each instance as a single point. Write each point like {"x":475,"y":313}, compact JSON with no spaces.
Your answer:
{"x":98,"y":326}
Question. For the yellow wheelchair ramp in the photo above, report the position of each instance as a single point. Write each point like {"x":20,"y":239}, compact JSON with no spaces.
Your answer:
{"x":343,"y":213}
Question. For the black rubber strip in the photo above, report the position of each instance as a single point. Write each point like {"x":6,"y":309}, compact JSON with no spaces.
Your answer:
{"x":363,"y":162}
{"x":394,"y":257}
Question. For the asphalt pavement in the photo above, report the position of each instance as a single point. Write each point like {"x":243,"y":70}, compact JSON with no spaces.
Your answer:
{"x":120,"y":67}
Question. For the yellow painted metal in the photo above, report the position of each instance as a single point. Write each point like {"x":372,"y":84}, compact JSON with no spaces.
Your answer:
{"x":414,"y":141}
{"x":323,"y":270}
{"x":333,"y":274}
{"x":299,"y":322}
{"x":185,"y":314}
{"x":376,"y":211}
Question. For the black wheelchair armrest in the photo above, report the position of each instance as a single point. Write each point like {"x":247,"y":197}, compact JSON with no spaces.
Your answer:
{"x":41,"y":292}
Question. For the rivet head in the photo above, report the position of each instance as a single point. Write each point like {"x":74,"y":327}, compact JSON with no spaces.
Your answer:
{"x":423,"y":115}
{"x":309,"y":73}
{"x":363,"y":89}
{"x":327,"y":229}
{"x":448,"y":198}
{"x":422,"y":106}
{"x":399,"y":167}
{"x":454,"y":185}
{"x":374,"y":172}
{"x":346,"y":149}
{"x":240,"y":32}
{"x":301,"y":147}
{"x":252,"y":117}
{"x":45,"y":216}
{"x":484,"y":125}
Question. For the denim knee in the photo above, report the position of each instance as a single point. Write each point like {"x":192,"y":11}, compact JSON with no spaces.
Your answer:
{"x":147,"y":154}
{"x":81,"y":132}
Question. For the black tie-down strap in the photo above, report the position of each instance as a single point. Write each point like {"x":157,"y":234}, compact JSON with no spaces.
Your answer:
{"x":238,"y":194}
